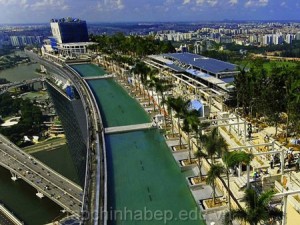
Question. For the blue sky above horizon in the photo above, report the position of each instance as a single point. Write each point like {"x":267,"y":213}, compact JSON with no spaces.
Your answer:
{"x":40,"y":11}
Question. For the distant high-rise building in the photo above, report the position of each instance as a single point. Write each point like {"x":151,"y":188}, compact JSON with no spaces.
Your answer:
{"x":15,"y":41}
{"x":260,"y":39}
{"x":197,"y":47}
{"x":268,"y":39}
{"x":39,"y":39}
{"x":277,"y":39}
{"x":169,"y":37}
{"x":225,"y":39}
{"x":253,"y":38}
{"x":289,"y":38}
{"x":273,"y":39}
{"x":69,"y":30}
{"x":297,"y":36}
{"x":23,"y":40}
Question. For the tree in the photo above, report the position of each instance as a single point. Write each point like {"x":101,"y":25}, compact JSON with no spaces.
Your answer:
{"x":275,"y":94}
{"x":141,"y":70}
{"x":257,"y":209}
{"x":231,"y":159}
{"x":293,"y":102}
{"x":190,"y":120}
{"x":169,"y":103}
{"x":180,"y":106}
{"x":152,"y":82}
{"x":161,"y":87}
{"x":199,"y":154}
{"x":214,"y":144}
{"x":215,"y":171}
{"x":198,"y":128}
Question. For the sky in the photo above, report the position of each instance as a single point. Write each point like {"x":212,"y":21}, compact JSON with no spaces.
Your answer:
{"x":41,"y":11}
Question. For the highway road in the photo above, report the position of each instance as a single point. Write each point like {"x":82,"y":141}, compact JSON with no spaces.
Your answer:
{"x":4,"y":220}
{"x":45,"y":146}
{"x":48,"y":182}
{"x":5,"y":87}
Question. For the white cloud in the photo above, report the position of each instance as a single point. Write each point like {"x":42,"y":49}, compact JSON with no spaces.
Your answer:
{"x":168,"y":2}
{"x":212,"y":2}
{"x":120,"y":4}
{"x":110,"y":5}
{"x":49,"y":4}
{"x":20,"y":3}
{"x":8,"y":2}
{"x":233,"y":2}
{"x":186,"y":2}
{"x":283,"y":4}
{"x":256,"y":3}
{"x":200,"y":2}
{"x":13,"y":2}
{"x":263,"y":2}
{"x":248,"y":3}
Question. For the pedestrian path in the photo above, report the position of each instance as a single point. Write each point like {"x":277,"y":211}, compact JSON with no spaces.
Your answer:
{"x":135,"y":127}
{"x":99,"y":77}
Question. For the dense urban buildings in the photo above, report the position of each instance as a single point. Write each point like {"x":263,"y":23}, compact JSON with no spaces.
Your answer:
{"x":128,"y":115}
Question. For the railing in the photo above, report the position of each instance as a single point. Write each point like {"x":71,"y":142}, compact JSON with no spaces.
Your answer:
{"x":41,"y":163}
{"x":75,"y":80}
{"x":104,"y":166}
{"x":101,"y":169}
{"x":40,"y":189}
{"x":10,"y":216}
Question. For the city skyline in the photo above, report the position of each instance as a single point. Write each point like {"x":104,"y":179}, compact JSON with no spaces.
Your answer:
{"x":34,"y":11}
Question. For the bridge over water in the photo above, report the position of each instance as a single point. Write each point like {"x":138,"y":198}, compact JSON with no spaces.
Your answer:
{"x":6,"y":87}
{"x":46,"y":181}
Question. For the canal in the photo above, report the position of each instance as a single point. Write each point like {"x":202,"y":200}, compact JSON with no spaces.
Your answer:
{"x":143,"y":177}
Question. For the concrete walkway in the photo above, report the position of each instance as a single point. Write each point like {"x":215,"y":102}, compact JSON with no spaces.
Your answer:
{"x":135,"y":127}
{"x":98,"y":77}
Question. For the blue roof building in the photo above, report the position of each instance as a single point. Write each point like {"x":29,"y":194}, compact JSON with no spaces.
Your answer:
{"x":217,"y":68}
{"x":200,"y":71}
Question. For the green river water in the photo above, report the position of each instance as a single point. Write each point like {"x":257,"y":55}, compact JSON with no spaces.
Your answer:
{"x":143,"y":177}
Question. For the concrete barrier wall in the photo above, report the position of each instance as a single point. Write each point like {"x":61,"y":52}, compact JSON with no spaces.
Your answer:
{"x":9,"y":215}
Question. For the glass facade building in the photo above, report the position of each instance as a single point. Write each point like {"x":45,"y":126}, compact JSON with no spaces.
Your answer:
{"x":69,"y":30}
{"x":71,"y":113}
